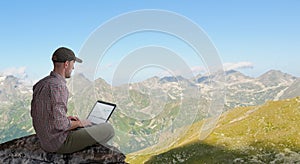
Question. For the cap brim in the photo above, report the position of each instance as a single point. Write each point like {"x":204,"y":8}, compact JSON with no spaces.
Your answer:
{"x":78,"y":60}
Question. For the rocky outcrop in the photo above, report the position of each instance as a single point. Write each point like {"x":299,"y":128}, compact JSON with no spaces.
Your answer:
{"x":27,"y":150}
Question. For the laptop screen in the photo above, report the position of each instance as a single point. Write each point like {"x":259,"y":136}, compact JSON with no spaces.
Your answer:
{"x":101,"y":112}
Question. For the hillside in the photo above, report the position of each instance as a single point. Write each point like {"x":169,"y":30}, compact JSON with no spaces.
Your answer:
{"x":258,"y":134}
{"x":15,"y":97}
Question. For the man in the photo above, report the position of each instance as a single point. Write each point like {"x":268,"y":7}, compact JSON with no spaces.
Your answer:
{"x":55,"y":130}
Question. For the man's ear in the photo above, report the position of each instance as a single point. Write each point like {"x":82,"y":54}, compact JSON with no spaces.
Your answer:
{"x":66,"y":64}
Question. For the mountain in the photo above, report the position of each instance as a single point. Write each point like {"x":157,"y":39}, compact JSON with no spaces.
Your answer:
{"x":155,"y":106}
{"x":12,"y":87}
{"x":242,"y":90}
{"x":292,"y":91}
{"x":245,"y":91}
{"x":233,"y":76}
{"x":257,"y":134}
{"x":148,"y":110}
{"x":80,"y":81}
{"x":275,"y":78}
{"x":177,"y":79}
{"x":15,"y":97}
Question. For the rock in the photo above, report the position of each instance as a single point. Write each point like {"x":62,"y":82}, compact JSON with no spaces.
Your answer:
{"x":27,"y":150}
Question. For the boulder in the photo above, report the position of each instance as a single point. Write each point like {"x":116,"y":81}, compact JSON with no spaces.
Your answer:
{"x":27,"y":150}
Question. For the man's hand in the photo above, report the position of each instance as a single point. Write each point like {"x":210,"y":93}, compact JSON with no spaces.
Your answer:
{"x":76,"y":122}
{"x":73,"y":118}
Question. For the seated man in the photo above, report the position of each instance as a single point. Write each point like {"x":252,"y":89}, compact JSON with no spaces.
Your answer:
{"x":55,"y":130}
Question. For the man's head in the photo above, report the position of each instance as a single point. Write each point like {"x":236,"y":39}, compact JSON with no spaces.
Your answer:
{"x":63,"y":60}
{"x":64,"y":54}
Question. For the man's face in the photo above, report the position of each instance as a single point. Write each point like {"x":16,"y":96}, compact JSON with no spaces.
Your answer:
{"x":69,"y":68}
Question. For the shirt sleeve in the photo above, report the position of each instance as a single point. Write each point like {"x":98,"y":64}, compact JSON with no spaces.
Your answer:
{"x":59,"y":96}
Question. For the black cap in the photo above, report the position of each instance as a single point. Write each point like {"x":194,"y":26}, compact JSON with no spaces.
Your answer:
{"x":64,"y":54}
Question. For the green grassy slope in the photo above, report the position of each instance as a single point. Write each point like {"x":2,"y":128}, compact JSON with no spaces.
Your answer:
{"x":263,"y":134}
{"x":15,"y":120}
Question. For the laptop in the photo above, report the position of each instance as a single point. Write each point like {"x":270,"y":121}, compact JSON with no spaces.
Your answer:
{"x":101,"y":112}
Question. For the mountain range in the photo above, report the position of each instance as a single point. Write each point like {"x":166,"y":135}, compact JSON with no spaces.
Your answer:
{"x":147,"y":110}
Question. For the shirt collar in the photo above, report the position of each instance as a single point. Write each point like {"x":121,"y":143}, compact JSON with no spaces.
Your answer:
{"x":52,"y":73}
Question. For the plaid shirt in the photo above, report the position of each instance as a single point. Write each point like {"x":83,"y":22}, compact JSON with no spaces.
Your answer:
{"x":48,"y":111}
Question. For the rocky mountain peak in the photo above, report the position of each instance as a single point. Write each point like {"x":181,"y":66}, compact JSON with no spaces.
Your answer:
{"x":154,"y":79}
{"x":171,"y":79}
{"x":12,"y":88}
{"x":275,"y":77}
{"x":234,"y":76}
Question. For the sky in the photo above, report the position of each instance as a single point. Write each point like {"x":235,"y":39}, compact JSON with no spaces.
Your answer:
{"x":251,"y":36}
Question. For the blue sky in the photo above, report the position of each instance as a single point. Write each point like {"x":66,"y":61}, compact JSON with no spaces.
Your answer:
{"x":253,"y":36}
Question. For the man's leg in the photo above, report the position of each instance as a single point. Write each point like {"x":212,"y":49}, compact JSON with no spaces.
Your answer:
{"x":82,"y":138}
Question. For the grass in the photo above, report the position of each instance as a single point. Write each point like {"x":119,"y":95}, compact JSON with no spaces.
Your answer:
{"x":256,"y":134}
